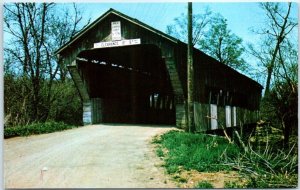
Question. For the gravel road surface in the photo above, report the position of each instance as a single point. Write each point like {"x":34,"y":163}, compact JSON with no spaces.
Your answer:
{"x":90,"y":156}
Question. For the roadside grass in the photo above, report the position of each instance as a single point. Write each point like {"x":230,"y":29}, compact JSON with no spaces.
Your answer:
{"x":196,"y":151}
{"x":232,"y":185}
{"x":263,"y":168}
{"x":204,"y":185}
{"x":36,"y":128}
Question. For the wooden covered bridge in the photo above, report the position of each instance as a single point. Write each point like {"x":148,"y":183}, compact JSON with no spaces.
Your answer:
{"x":128,"y":72}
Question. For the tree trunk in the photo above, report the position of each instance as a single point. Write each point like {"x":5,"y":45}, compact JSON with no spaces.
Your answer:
{"x":279,"y":40}
{"x":269,"y":75}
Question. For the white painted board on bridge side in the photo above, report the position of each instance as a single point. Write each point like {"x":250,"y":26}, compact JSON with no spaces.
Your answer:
{"x":234,"y":115}
{"x":228,"y":116}
{"x":214,"y":116}
{"x":117,"y":43}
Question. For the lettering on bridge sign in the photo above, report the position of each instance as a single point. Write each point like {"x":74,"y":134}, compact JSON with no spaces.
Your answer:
{"x":117,"y":43}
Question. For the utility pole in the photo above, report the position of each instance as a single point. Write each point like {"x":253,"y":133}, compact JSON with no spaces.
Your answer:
{"x":190,"y":74}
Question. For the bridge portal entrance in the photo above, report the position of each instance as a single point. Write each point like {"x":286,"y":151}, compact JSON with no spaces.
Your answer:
{"x":128,"y":84}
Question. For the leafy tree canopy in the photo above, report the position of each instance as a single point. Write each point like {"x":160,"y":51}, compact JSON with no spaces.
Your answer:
{"x":212,"y":36}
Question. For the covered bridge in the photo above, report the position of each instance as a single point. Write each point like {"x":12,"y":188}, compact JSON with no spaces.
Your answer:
{"x":128,"y":72}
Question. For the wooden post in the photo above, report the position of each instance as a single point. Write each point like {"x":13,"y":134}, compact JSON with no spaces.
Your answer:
{"x":179,"y":102}
{"x":190,"y":74}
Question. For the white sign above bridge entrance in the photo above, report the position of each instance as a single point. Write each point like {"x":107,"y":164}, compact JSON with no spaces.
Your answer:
{"x":117,"y":43}
{"x":116,"y":31}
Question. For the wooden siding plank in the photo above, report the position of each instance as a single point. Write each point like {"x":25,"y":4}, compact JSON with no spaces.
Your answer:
{"x":214,"y":116}
{"x":228,"y":116}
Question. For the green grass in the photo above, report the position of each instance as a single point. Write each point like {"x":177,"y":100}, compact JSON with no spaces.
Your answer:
{"x":196,"y":151}
{"x":159,"y":152}
{"x":36,"y":128}
{"x":179,"y":179}
{"x":268,"y":168}
{"x":204,"y":185}
{"x":233,"y":185}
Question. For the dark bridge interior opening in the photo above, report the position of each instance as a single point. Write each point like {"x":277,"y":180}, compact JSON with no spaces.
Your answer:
{"x":128,"y":84}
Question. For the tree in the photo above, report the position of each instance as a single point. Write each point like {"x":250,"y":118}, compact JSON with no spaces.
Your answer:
{"x":278,"y":56}
{"x":279,"y":24}
{"x":33,"y":31}
{"x":200,"y":23}
{"x":220,"y":43}
{"x":283,"y":95}
{"x":212,"y":36}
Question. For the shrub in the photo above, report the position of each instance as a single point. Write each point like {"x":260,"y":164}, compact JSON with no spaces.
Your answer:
{"x":35,"y":128}
{"x":60,"y":103}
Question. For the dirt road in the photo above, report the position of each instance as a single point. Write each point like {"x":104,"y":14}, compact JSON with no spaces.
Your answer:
{"x":90,"y":156}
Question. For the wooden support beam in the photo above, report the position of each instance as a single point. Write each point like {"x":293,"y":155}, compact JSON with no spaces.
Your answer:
{"x":179,"y":99}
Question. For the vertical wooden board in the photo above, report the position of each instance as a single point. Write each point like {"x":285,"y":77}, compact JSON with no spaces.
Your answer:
{"x":87,"y":113}
{"x":201,"y":112}
{"x":93,"y":110}
{"x":180,"y":116}
{"x":243,"y":116}
{"x":221,"y":117}
{"x":198,"y":116}
{"x":234,"y":116}
{"x":96,"y":110}
{"x":99,"y":108}
{"x":238,"y":116}
{"x":206,"y":114}
{"x":228,"y":117}
{"x":214,"y":116}
{"x":197,"y":113}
